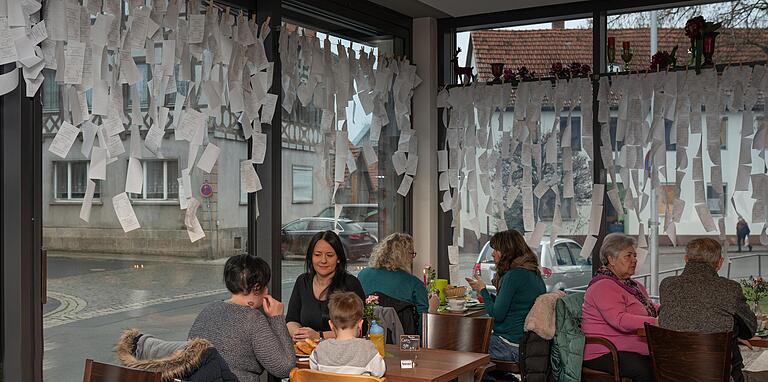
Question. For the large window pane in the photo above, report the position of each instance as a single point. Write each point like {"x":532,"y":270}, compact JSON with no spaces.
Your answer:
{"x":102,"y":280}
{"x":366,"y":195}
{"x":510,"y":150}
{"x":742,"y":39}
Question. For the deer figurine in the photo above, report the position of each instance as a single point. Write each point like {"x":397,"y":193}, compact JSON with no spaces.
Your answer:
{"x":459,"y":71}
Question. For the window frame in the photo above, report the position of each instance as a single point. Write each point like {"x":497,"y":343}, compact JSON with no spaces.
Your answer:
{"x":56,"y":199}
{"x":304,"y":168}
{"x":143,"y":196}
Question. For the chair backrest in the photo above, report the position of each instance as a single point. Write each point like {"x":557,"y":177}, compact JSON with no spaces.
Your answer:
{"x":104,"y":372}
{"x":406,"y":311}
{"x":447,"y":332}
{"x":307,"y":375}
{"x":685,"y":356}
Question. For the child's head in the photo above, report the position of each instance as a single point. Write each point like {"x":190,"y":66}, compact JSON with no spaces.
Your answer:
{"x":346,"y":311}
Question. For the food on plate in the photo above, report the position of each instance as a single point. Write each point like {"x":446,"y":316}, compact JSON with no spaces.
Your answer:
{"x":305,"y":347}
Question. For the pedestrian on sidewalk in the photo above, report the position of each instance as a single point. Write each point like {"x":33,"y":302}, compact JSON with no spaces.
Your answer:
{"x":742,"y":234}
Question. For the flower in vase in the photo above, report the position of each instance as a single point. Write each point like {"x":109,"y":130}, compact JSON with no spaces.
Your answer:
{"x":695,"y":27}
{"x":371,"y":302}
{"x":663,"y":60}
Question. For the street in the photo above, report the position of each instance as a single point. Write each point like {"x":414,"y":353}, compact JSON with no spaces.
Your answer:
{"x":92,"y":300}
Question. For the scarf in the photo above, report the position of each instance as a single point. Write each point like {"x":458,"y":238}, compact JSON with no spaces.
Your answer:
{"x":628,"y":285}
{"x":529,"y":261}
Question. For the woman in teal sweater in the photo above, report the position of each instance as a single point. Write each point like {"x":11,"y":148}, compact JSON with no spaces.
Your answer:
{"x":518,"y":283}
{"x":389,"y":272}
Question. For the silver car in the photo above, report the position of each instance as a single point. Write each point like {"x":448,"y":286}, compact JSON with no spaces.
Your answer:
{"x":561,"y":265}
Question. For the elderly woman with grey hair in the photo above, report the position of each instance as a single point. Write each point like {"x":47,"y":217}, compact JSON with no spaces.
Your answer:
{"x":615,"y":307}
{"x":699,"y":300}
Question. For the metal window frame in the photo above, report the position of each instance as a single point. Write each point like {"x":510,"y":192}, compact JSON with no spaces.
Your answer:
{"x":301,"y":167}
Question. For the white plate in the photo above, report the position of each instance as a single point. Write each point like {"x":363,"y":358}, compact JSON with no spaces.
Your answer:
{"x":457,"y":311}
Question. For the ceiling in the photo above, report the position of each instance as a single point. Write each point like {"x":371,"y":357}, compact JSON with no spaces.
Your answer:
{"x":457,"y":8}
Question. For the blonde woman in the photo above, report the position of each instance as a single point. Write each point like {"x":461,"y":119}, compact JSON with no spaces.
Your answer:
{"x":389,"y":272}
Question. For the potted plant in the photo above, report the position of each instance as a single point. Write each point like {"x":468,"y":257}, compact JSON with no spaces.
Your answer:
{"x":755,"y":290}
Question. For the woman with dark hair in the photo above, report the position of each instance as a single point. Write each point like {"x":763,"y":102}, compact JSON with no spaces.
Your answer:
{"x":326,"y":273}
{"x":248,"y":329}
{"x":518,"y":283}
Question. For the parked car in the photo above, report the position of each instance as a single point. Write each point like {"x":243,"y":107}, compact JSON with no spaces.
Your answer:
{"x":366,"y":215}
{"x":561,"y":265}
{"x":295,"y":237}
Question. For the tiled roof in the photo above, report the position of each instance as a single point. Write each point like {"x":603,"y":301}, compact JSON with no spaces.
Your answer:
{"x":539,"y":49}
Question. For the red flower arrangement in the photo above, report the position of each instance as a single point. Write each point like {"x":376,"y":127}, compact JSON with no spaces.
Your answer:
{"x":522,"y":73}
{"x":694,"y":27}
{"x":663,"y":60}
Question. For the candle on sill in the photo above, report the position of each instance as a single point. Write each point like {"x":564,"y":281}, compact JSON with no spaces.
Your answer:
{"x":625,"y":45}
{"x":611,"y":42}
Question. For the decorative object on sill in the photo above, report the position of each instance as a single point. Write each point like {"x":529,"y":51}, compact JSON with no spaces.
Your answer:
{"x":755,"y":290}
{"x":626,"y":54}
{"x":611,"y":50}
{"x":463,"y":74}
{"x":575,"y":69}
{"x":497,"y":69}
{"x":663,"y":60}
{"x":698,"y":29}
{"x":520,"y":74}
{"x":709,"y":47}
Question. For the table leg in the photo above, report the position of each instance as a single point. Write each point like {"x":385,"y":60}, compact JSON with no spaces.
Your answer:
{"x":467,"y":377}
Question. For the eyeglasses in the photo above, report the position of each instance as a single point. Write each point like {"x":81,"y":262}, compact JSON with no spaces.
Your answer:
{"x":413,"y":254}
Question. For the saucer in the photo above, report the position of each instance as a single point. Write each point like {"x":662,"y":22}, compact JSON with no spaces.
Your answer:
{"x":457,"y":310}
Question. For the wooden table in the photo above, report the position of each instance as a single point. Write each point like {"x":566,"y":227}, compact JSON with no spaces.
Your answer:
{"x":479,"y":312}
{"x":431,"y":365}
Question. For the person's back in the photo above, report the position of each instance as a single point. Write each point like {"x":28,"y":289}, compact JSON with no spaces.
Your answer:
{"x":347,"y":354}
{"x":246,"y":338}
{"x":700,"y":301}
{"x":350,"y":356}
{"x":519,"y":290}
{"x":397,"y":284}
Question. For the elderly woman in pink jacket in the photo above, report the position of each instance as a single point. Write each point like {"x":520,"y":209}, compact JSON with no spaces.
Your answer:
{"x":615,"y":307}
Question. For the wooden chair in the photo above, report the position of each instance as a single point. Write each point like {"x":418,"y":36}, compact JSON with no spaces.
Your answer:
{"x":307,"y":375}
{"x":591,"y":375}
{"x":684,"y":356}
{"x":467,"y":334}
{"x":104,"y":372}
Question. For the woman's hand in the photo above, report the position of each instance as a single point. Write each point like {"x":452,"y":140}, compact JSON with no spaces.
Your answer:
{"x":304,"y":333}
{"x":434,"y":302}
{"x":272,"y":307}
{"x":476,"y":284}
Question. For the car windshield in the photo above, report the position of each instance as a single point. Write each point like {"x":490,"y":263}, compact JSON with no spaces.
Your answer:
{"x":353,"y":227}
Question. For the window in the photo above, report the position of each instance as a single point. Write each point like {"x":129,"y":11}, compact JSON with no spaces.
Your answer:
{"x":576,"y":255}
{"x":301,"y":184}
{"x":716,"y":200}
{"x":71,"y":180}
{"x":562,"y":255}
{"x":159,"y":180}
{"x":575,"y":131}
{"x":547,"y":207}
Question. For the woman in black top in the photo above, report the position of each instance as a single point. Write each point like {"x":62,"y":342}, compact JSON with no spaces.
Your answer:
{"x":326,"y":273}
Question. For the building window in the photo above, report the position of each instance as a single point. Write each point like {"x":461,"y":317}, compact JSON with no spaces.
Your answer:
{"x":71,"y":179}
{"x":575,"y":131}
{"x":159,"y":180}
{"x":716,"y":201}
{"x":301,"y":184}
{"x":547,"y":207}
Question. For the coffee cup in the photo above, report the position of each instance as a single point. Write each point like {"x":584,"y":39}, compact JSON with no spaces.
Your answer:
{"x":456,"y":304}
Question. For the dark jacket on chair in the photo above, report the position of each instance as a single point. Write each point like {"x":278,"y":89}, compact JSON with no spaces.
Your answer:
{"x":409,"y":316}
{"x":701,"y":301}
{"x":534,"y":358}
{"x":190,"y":361}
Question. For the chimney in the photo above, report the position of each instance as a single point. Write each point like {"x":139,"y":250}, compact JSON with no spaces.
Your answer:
{"x":558,"y":24}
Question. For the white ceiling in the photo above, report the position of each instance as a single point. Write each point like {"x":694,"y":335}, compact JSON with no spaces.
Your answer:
{"x":457,"y":8}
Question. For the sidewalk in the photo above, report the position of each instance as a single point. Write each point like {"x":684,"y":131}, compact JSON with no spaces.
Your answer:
{"x":137,"y":258}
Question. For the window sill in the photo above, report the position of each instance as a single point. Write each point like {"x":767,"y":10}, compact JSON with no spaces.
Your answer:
{"x":142,"y":202}
{"x":74,"y":202}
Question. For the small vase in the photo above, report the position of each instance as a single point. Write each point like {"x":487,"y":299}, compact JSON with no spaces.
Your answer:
{"x":755,"y":305}
{"x":708,"y":47}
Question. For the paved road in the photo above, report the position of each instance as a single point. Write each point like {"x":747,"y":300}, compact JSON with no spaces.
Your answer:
{"x":92,"y":300}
